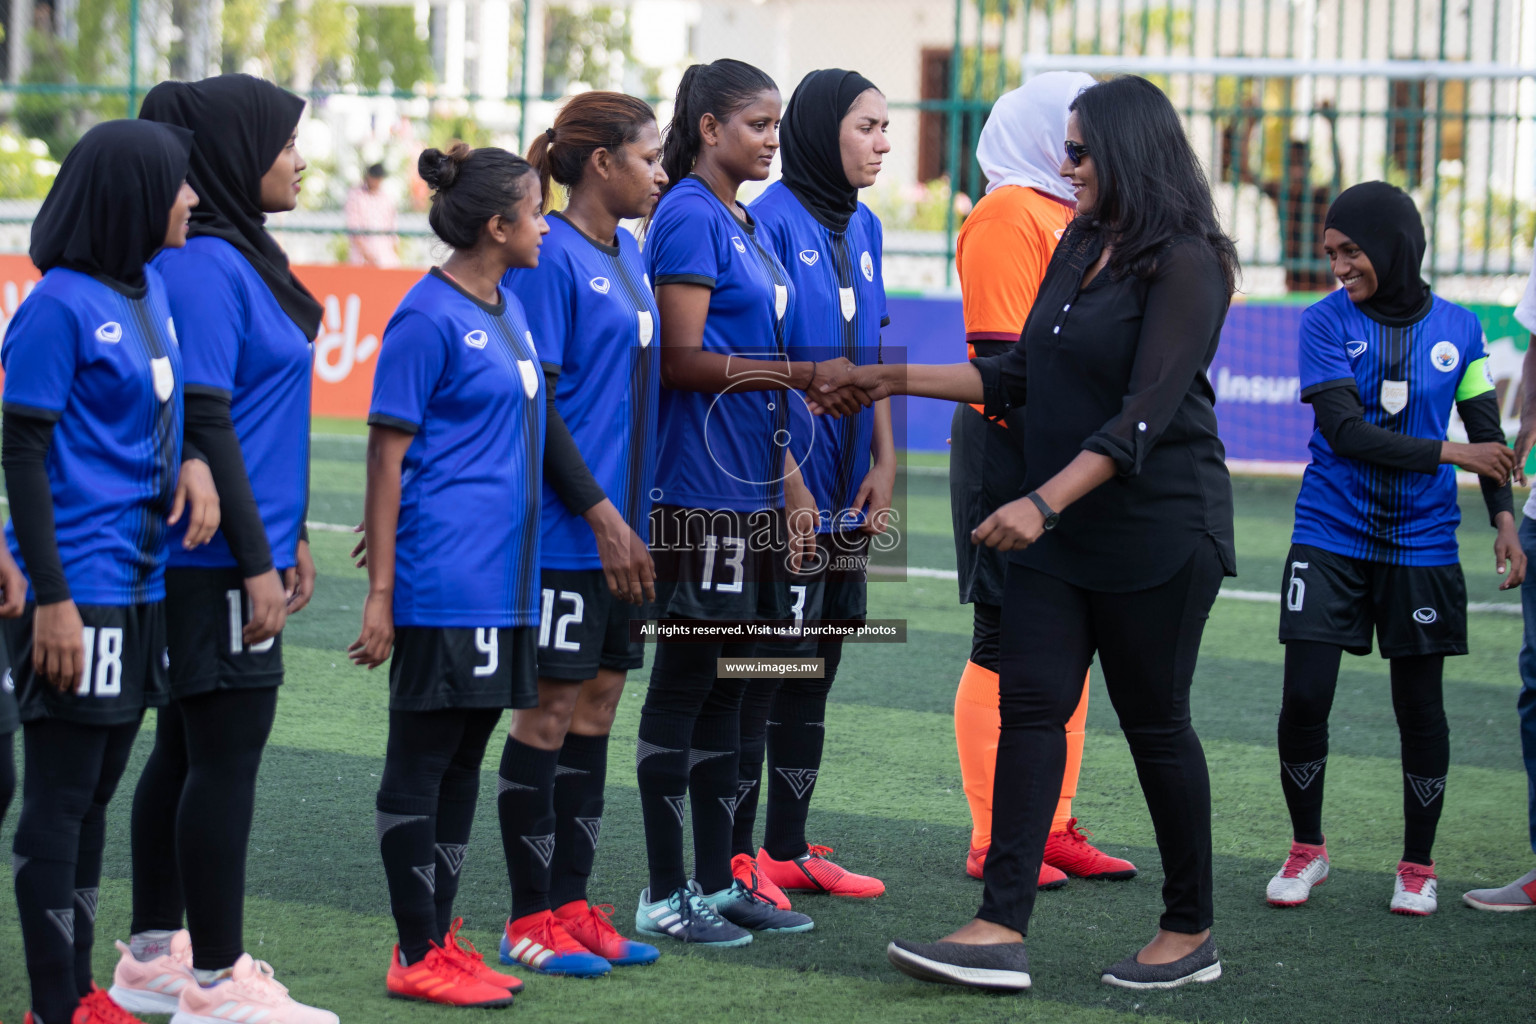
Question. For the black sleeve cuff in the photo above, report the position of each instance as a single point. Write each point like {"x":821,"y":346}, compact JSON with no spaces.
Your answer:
{"x":703,"y":279}
{"x":1327,"y":385}
{"x":995,"y":403}
{"x":380,"y":419}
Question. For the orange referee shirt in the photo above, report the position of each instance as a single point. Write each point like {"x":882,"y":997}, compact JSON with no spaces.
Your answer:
{"x":1001,"y":254}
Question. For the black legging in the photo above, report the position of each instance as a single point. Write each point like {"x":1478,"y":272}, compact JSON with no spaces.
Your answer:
{"x":192,"y":815}
{"x":787,"y":722}
{"x":1311,"y":676}
{"x":1147,"y":642}
{"x":423,"y":814}
{"x":986,"y":627}
{"x":689,"y":746}
{"x":7,"y":772}
{"x":72,"y":770}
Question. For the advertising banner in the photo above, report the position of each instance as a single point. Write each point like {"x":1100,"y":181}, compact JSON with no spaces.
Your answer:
{"x":1263,"y":422}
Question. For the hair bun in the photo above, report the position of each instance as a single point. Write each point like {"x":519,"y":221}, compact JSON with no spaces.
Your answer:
{"x":440,"y":170}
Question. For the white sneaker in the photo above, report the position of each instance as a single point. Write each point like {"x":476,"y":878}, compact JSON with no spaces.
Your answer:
{"x":153,"y":986}
{"x":1304,"y":868}
{"x":249,"y":994}
{"x":1413,"y":892}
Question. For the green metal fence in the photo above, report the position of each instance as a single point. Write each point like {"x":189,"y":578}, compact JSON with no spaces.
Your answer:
{"x":1286,"y":101}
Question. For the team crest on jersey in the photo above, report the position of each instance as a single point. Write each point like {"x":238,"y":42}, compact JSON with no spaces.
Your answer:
{"x":1394,"y":396}
{"x":647,"y":329}
{"x":868,"y":266}
{"x":780,"y":300}
{"x":849,"y":303}
{"x":476,"y":339}
{"x":1356,"y":349}
{"x":1445,"y":356}
{"x":530,"y":375}
{"x":600,"y":285}
{"x":164,"y":377}
{"x":809,"y":257}
{"x":110,"y":332}
{"x":738,"y":243}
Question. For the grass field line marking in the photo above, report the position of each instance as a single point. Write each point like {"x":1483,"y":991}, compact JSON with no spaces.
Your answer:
{"x":1232,"y":594}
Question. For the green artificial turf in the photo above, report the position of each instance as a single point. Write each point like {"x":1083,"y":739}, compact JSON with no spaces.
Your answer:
{"x":889,"y":799}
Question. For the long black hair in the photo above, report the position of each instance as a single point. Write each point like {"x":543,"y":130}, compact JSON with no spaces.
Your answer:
{"x":470,"y":186}
{"x":1151,"y":187}
{"x":721,"y":88}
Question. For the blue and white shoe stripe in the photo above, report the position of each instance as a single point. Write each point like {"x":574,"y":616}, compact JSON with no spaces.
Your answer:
{"x":687,"y":918}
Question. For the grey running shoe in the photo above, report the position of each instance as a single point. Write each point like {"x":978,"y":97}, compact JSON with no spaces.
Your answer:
{"x":1517,"y":895}
{"x":1201,"y":965}
{"x":1003,"y":967}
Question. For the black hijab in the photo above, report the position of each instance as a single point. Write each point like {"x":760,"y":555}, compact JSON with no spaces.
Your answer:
{"x":110,"y":205}
{"x":1382,"y":220}
{"x":813,"y":157}
{"x":242,"y":124}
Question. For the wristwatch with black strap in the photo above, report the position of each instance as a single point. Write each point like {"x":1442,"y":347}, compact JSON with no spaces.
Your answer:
{"x":1052,"y":517}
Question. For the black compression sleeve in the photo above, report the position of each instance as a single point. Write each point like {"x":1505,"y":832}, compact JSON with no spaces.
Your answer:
{"x":1484,"y":423}
{"x":190,"y":451}
{"x":564,"y":467}
{"x":211,"y":430}
{"x":1341,"y":418}
{"x":24,"y":456}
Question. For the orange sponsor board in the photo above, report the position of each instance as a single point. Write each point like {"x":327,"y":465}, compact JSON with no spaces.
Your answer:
{"x":358,"y":302}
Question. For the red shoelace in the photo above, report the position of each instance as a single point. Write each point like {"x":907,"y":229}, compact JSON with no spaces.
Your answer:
{"x":1414,"y":876}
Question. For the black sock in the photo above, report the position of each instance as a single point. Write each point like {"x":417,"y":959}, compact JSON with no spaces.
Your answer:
{"x":525,"y":803}
{"x":661,"y":770}
{"x":455,"y":818}
{"x":579,"y":779}
{"x":1426,"y":750}
{"x":405,"y":829}
{"x":713,"y":776}
{"x":45,"y":903}
{"x":797,"y":729}
{"x":1311,"y":675}
{"x":93,"y":840}
{"x":756,"y":716}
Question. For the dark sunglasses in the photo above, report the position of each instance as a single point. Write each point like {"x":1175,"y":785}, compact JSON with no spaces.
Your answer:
{"x":1075,"y":152}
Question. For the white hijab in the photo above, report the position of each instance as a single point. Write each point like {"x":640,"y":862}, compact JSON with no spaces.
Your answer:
{"x":1021,"y":143}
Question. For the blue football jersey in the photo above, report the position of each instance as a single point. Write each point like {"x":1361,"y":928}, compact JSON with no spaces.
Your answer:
{"x":722,"y":451}
{"x":839,"y":311}
{"x":594,"y":320}
{"x":239,"y":344}
{"x":102,"y":363}
{"x":1409,"y":380}
{"x":464,"y":378}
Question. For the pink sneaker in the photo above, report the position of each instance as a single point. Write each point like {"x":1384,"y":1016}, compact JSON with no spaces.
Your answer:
{"x":153,"y":986}
{"x":250,"y":993}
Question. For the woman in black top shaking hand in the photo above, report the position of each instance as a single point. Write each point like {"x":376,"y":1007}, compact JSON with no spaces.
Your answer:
{"x":1121,"y":541}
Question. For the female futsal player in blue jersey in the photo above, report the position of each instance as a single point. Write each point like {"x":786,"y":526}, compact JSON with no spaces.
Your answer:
{"x":1383,"y":362}
{"x":724,"y":474}
{"x":246,"y":330}
{"x":92,"y":446}
{"x":594,"y":320}
{"x":830,"y":245}
{"x":452,"y":515}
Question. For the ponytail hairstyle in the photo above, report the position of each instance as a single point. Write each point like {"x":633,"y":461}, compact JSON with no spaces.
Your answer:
{"x":470,"y":186}
{"x":721,"y":88}
{"x":589,"y":121}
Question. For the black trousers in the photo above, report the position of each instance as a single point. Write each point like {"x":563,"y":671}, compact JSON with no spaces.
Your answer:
{"x":1147,"y":642}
